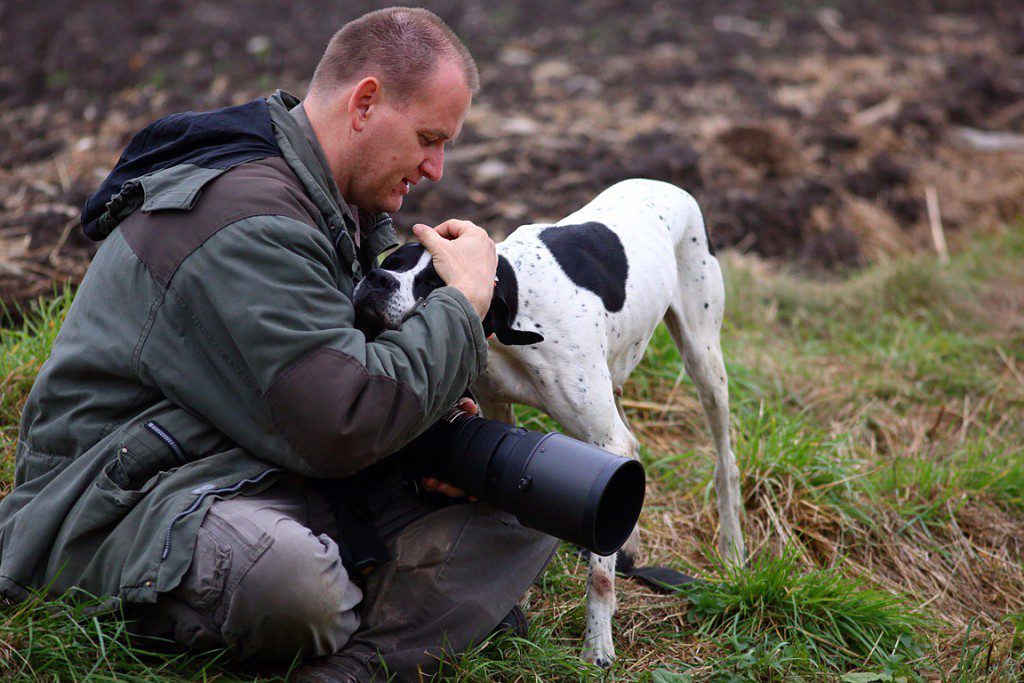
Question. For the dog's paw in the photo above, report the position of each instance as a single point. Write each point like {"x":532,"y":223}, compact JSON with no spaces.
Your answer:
{"x":599,"y":651}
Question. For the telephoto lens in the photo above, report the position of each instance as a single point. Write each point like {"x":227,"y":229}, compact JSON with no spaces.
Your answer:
{"x":551,"y":482}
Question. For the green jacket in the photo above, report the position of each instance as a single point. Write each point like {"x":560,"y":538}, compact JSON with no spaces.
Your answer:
{"x":211,"y":347}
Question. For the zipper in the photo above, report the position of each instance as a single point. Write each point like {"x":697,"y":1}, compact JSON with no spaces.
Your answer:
{"x":202,"y":496}
{"x":169,"y":440}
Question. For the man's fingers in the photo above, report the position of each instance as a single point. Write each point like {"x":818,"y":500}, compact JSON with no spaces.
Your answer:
{"x":427,"y":236}
{"x":452,"y":228}
{"x":437,"y":486}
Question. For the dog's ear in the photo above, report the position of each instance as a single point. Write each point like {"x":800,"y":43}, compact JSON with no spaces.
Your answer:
{"x":504,"y":306}
{"x":498,"y":321}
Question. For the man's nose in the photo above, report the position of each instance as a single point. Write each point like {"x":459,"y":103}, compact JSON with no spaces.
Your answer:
{"x":433,"y":165}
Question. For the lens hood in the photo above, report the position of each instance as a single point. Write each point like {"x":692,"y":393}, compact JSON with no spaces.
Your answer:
{"x":551,"y":482}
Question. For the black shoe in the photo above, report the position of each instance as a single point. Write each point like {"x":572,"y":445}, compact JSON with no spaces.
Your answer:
{"x":514,"y":623}
{"x":330,"y":669}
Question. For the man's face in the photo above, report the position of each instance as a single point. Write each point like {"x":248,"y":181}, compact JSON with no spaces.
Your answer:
{"x":403,"y":143}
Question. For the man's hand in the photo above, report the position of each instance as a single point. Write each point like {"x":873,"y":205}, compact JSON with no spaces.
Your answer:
{"x":438,"y":486}
{"x":464,"y":257}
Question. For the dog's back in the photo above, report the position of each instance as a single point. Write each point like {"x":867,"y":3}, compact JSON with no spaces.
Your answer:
{"x":606,"y":274}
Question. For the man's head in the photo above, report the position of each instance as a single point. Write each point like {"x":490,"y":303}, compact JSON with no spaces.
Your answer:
{"x":391,"y":89}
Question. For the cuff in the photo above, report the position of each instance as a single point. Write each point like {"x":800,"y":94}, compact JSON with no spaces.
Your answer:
{"x":474,"y":326}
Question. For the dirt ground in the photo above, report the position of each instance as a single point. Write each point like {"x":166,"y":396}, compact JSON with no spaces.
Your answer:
{"x":808,"y":131}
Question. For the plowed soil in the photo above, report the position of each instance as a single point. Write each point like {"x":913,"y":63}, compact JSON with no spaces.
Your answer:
{"x":807,"y":132}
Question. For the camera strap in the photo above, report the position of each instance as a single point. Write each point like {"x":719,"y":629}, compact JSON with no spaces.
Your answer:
{"x":361,"y":548}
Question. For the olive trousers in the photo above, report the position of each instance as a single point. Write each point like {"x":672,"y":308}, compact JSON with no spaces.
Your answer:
{"x":267,"y":581}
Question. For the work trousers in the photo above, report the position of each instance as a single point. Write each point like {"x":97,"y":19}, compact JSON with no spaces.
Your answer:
{"x":267,"y":581}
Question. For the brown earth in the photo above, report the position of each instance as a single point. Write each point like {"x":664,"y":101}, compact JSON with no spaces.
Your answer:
{"x":807,"y":132}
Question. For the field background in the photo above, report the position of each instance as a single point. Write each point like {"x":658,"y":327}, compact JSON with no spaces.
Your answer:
{"x":877,"y":388}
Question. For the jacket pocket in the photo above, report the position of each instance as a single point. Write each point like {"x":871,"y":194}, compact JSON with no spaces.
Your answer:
{"x":144,"y":452}
{"x":109,"y":482}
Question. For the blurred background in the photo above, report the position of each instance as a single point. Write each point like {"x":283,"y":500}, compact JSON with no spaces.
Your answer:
{"x":829,"y":135}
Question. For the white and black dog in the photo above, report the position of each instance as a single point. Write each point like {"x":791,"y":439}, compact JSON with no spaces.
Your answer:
{"x":574,"y":307}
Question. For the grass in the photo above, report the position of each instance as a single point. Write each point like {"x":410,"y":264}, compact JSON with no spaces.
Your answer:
{"x":783,"y":620}
{"x":878,"y":421}
{"x":58,"y":640}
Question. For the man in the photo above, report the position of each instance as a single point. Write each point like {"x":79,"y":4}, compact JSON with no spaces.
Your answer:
{"x":207,"y":444}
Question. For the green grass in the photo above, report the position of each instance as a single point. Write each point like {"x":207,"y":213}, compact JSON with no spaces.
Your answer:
{"x":784,"y":621}
{"x":22,"y":352}
{"x":59,"y":640}
{"x":878,"y":422}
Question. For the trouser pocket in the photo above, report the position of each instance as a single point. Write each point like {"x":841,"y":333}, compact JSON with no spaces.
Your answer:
{"x":226,"y":548}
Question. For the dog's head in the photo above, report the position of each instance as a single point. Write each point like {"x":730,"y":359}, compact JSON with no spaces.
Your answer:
{"x":388,"y":294}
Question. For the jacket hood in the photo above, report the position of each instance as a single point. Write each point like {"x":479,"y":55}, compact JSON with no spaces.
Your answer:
{"x":166,"y":164}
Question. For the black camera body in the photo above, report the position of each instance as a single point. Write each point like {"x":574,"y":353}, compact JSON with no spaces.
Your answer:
{"x":550,"y":482}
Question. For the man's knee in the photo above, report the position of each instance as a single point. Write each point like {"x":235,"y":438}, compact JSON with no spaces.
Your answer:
{"x":295,"y":599}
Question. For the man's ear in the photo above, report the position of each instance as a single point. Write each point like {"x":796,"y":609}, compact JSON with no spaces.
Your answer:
{"x":365,"y":96}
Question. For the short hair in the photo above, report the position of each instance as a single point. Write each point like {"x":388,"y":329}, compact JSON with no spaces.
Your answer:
{"x":400,"y":46}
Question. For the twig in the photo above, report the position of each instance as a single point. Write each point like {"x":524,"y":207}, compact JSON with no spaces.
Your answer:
{"x":65,"y":233}
{"x":1010,"y":365}
{"x":62,"y":175}
{"x":828,"y":18}
{"x":965,"y":421}
{"x":1006,"y":115}
{"x":930,"y":434}
{"x":931,"y":198}
{"x":672,"y":393}
{"x":879,"y":112}
{"x":989,"y":141}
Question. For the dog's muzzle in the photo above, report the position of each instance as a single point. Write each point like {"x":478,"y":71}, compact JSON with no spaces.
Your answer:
{"x":372,"y":297}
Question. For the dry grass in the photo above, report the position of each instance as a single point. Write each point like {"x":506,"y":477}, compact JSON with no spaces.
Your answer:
{"x":879,"y":424}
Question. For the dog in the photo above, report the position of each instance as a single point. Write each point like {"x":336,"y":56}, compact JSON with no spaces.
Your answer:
{"x":574,"y":306}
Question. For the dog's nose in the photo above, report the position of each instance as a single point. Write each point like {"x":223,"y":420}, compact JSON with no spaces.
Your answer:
{"x":381,"y":280}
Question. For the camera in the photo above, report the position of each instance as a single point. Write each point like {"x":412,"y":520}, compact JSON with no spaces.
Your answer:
{"x":551,"y":482}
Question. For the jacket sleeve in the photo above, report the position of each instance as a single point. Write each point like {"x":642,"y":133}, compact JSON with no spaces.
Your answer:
{"x":270,"y":325}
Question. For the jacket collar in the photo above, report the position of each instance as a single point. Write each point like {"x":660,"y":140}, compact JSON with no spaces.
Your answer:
{"x":303,"y":154}
{"x":323,"y":171}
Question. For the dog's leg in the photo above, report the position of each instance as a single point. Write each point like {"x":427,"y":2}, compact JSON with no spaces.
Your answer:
{"x":632,"y":545}
{"x":598,"y":647}
{"x":694,"y":319}
{"x":593,"y":417}
{"x":498,"y":411}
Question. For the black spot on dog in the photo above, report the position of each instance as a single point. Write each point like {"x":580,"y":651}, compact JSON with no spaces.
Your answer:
{"x":592,"y":256}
